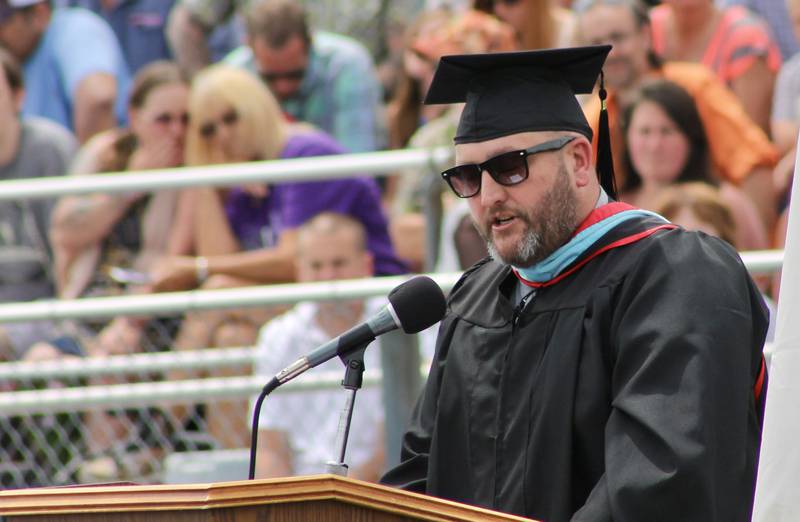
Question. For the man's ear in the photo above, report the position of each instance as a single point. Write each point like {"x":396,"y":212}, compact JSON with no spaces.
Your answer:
{"x":579,"y":154}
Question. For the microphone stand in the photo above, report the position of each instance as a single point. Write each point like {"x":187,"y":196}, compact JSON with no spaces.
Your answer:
{"x":353,"y":379}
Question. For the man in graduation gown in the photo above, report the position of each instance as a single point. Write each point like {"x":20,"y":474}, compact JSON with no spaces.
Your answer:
{"x":602,"y":364}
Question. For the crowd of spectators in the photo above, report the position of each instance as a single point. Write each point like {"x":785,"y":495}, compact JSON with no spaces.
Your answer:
{"x":704,"y":109}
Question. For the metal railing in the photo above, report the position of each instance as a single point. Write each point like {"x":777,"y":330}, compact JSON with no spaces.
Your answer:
{"x":195,"y":300}
{"x":230,"y":174}
{"x":87,"y":398}
{"x":79,"y":399}
{"x":757,"y":262}
{"x":207,"y":359}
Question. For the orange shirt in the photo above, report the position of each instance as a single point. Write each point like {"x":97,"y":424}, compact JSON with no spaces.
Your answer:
{"x":736,"y":143}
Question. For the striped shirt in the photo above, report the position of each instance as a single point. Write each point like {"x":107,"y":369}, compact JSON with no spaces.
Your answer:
{"x":739,"y":39}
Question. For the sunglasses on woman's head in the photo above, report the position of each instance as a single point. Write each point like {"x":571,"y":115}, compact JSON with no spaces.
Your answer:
{"x":506,"y":169}
{"x":209,"y":129}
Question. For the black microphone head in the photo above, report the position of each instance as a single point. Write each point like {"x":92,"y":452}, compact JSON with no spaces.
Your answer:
{"x":418,"y":304}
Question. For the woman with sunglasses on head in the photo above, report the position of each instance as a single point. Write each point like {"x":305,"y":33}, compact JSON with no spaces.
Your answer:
{"x":246,"y":235}
{"x":236,"y":119}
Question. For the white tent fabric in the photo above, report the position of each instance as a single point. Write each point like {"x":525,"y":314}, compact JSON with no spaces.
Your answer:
{"x":777,"y":498}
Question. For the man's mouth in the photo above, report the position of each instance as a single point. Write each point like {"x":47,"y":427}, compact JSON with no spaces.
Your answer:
{"x":501,"y":221}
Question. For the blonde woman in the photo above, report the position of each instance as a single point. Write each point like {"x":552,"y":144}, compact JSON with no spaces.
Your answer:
{"x":248,"y":232}
{"x":247,"y":235}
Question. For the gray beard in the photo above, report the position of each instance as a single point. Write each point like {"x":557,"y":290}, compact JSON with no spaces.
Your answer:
{"x":556,"y":220}
{"x":527,"y":249}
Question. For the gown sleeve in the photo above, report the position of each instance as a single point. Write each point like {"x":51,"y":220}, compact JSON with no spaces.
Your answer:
{"x":412,"y":472}
{"x":681,"y":441}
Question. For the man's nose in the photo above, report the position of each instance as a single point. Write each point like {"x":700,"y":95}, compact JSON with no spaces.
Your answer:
{"x":491,"y":191}
{"x":327,"y":273}
{"x":177,"y":128}
{"x":654,"y":140}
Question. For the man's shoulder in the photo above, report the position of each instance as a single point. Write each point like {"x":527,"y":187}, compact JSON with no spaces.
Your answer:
{"x":791,"y":67}
{"x":294,"y":320}
{"x":693,"y":271}
{"x":682,"y":252}
{"x":43,"y":132}
{"x":68,"y":19}
{"x":71,"y":30}
{"x":242,"y":57}
{"x":290,"y":332}
{"x":337,"y":51}
{"x":45,"y":141}
{"x":326,"y":43}
{"x":484,"y":268}
{"x":478,"y":285}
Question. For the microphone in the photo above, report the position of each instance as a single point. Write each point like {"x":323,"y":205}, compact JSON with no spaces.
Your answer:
{"x":413,"y":306}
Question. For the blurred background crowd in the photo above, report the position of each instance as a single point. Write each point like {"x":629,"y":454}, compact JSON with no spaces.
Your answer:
{"x":704,"y":108}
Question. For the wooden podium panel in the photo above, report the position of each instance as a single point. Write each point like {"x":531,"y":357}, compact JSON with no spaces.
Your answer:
{"x":313,"y":498}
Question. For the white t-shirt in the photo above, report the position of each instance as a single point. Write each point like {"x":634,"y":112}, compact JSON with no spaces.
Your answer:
{"x":311,"y":417}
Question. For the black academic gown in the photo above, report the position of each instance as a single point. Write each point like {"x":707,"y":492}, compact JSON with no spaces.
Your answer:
{"x":623,"y":392}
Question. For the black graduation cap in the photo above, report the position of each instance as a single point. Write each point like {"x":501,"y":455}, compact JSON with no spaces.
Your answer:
{"x":508,"y":93}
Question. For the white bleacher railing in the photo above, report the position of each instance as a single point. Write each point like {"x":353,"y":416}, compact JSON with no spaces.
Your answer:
{"x":86,"y":398}
{"x":231,"y":174}
{"x":757,"y":262}
{"x":179,"y":302}
{"x":83,"y":398}
{"x":140,"y":363}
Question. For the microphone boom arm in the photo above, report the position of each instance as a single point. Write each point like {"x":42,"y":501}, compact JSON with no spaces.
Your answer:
{"x":353,"y":379}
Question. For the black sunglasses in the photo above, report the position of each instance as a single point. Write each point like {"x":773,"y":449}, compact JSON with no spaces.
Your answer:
{"x":506,"y":169}
{"x":296,"y":75}
{"x":209,"y":129}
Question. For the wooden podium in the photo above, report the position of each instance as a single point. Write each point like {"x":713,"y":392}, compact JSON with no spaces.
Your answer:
{"x":315,"y":498}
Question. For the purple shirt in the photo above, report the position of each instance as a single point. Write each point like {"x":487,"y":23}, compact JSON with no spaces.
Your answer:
{"x":258,"y":223}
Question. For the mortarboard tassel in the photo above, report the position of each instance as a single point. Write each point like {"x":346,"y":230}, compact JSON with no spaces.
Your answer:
{"x":605,"y":162}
